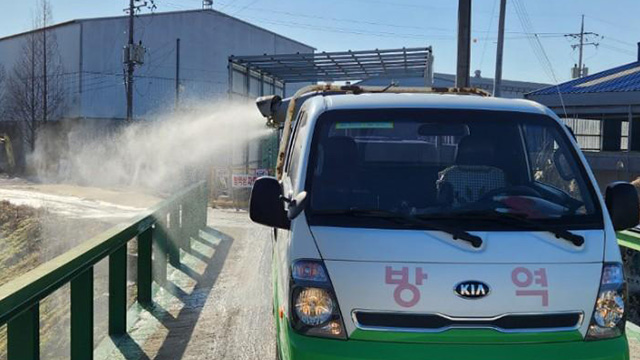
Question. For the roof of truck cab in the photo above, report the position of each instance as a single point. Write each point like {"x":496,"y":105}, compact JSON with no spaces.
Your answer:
{"x":431,"y":101}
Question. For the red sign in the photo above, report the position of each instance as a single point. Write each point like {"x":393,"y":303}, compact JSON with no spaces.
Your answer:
{"x":242,"y":180}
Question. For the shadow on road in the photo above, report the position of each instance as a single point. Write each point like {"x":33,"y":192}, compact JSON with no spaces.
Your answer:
{"x":177,"y":328}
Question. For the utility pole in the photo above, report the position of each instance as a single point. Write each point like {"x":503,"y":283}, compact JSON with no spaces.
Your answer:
{"x":497,"y":84}
{"x":177,"y":73}
{"x":45,"y":75}
{"x":581,"y":43}
{"x":133,"y":53}
{"x":130,"y":62}
{"x":582,"y":38}
{"x":464,"y":43}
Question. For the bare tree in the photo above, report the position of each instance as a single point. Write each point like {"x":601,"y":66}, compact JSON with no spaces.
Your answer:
{"x":35,"y":91}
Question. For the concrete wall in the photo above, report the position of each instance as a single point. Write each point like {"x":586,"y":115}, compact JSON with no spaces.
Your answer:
{"x":613,"y":166}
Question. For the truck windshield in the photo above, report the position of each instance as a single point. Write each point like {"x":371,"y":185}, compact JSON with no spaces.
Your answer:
{"x":447,"y":166}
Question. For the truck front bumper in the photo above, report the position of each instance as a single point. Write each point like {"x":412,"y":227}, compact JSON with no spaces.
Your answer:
{"x":298,"y":347}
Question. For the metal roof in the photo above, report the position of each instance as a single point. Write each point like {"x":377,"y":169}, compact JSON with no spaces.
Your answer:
{"x":624,"y":78}
{"x":155,"y":14}
{"x":334,"y":66}
{"x":448,"y":80}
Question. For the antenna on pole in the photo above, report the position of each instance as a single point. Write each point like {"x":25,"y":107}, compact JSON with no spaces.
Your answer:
{"x":207,"y":4}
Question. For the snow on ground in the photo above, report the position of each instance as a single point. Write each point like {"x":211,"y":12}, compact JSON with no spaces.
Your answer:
{"x":69,"y":206}
{"x":78,"y":202}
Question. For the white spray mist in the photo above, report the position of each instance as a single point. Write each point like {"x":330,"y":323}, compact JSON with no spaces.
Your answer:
{"x":157,"y":154}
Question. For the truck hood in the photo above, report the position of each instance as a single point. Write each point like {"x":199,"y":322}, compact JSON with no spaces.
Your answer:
{"x":406,"y":281}
{"x":359,"y":244}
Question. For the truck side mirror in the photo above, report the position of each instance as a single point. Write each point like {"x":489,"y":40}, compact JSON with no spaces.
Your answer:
{"x":623,"y":205}
{"x":266,"y":205}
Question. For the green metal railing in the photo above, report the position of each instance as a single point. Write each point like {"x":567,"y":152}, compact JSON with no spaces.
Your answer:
{"x":629,"y":239}
{"x":629,"y":242}
{"x":161,"y":232}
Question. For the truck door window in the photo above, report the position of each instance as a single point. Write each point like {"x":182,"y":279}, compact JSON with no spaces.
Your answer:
{"x":295,"y":149}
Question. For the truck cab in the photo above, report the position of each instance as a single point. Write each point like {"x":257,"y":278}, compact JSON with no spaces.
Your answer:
{"x":441,"y":226}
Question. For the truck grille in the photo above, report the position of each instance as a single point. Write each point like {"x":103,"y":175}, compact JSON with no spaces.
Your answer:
{"x":564,"y":321}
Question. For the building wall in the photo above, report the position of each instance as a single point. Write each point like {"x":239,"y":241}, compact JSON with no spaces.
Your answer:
{"x":207,"y":39}
{"x":91,"y":51}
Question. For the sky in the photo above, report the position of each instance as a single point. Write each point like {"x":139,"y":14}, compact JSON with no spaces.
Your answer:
{"x":335,"y":25}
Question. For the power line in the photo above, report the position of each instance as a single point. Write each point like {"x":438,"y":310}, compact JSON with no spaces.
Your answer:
{"x":245,"y":7}
{"x":617,"y":49}
{"x":382,"y":34}
{"x":351,"y":21}
{"x":622,"y":42}
{"x":538,"y":49}
{"x":298,"y":15}
{"x":527,"y":27}
{"x":618,"y":25}
{"x":486,"y":38}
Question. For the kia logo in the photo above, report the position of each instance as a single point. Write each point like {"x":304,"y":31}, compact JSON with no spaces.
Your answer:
{"x":472,"y":289}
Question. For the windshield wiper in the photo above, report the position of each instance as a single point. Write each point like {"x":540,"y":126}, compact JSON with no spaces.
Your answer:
{"x":458,"y":234}
{"x":511,"y":219}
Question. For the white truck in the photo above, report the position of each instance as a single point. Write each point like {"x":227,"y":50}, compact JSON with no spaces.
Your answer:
{"x":412,"y":225}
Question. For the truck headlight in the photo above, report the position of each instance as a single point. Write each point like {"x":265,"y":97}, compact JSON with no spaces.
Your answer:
{"x":609,"y":309}
{"x":609,"y":318}
{"x":315,"y":308}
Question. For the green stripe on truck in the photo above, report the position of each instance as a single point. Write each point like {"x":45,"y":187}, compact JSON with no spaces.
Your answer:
{"x":308,"y":348}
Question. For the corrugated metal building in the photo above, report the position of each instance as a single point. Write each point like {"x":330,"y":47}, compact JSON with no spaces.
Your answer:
{"x":91,"y":55}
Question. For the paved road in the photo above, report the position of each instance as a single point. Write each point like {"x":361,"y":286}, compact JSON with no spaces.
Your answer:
{"x":237,"y":320}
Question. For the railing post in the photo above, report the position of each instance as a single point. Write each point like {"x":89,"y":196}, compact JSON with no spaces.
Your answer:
{"x":82,"y":316}
{"x":118,"y":291}
{"x":173,"y":240}
{"x":185,"y":241}
{"x":204,"y":207}
{"x":188,"y":217}
{"x":23,"y":335}
{"x":160,"y":250}
{"x":145,"y":277}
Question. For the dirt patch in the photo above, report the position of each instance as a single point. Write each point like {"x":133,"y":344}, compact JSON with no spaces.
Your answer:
{"x":31,"y":236}
{"x":23,"y":231}
{"x":21,"y":237}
